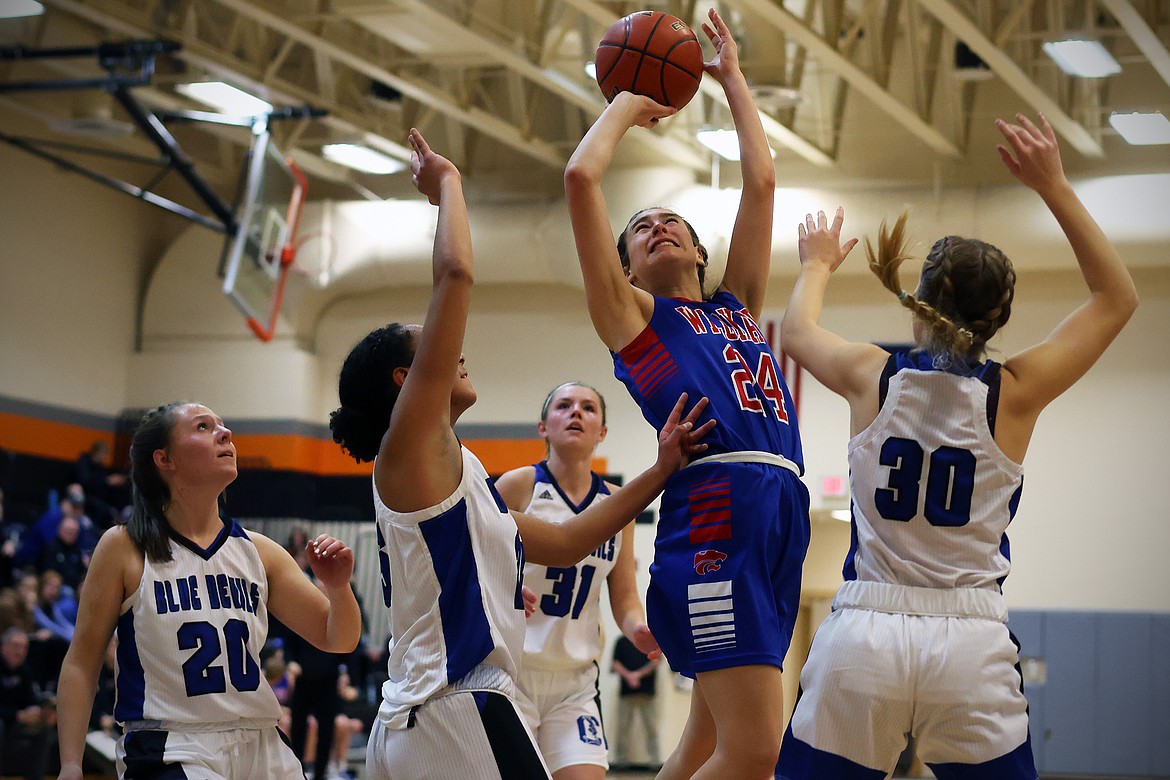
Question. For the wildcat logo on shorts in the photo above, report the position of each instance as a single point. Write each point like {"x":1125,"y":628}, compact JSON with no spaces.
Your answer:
{"x":707,"y":561}
{"x":589,"y":729}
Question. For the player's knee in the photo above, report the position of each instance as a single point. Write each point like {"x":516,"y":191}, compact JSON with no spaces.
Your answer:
{"x":752,"y":757}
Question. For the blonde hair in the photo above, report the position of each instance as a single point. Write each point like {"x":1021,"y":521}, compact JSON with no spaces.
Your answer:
{"x":964,"y":294}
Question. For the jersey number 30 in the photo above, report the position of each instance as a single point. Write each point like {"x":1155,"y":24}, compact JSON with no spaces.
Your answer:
{"x":202,"y":674}
{"x":950,"y":483}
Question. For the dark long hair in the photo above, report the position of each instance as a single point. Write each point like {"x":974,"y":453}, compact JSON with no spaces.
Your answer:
{"x":367,"y":390}
{"x":147,"y":525}
{"x":624,"y":250}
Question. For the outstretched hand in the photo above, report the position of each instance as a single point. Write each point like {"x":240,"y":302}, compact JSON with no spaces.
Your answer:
{"x":331,"y":561}
{"x":679,"y":439}
{"x":726,"y":59}
{"x":820,"y":242}
{"x":1034,"y":157}
{"x":428,"y":168}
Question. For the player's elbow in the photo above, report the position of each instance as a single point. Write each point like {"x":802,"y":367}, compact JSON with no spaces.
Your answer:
{"x":456,"y":271}
{"x":760,"y":179}
{"x":579,"y":176}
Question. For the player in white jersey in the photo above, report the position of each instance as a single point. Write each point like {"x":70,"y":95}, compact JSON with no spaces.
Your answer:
{"x":451,"y":553}
{"x":189,"y":592}
{"x":558,"y":682}
{"x":917,"y":642}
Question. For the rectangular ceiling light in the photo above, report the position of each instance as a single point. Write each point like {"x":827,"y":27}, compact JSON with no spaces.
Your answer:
{"x":362,"y":158}
{"x":225,"y":98}
{"x":1085,"y":58}
{"x":1142,"y":129}
{"x":724,"y":143}
{"x":14,"y":9}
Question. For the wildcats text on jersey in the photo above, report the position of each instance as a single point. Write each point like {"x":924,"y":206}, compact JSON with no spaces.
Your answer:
{"x":732,"y":325}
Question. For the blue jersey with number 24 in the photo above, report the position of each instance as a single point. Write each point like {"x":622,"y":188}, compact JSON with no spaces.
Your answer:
{"x":715,"y":349}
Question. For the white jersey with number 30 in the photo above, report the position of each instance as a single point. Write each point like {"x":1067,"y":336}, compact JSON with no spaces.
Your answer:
{"x":933,"y":494}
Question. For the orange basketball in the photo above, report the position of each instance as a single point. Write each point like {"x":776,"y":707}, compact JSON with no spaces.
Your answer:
{"x":653,"y":54}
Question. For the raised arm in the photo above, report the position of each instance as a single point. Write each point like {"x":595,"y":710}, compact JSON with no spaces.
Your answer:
{"x":326,"y":614}
{"x":419,"y":462}
{"x":848,"y":369}
{"x":566,"y":543}
{"x":619,"y":311}
{"x":749,"y":254}
{"x":1043,"y":372}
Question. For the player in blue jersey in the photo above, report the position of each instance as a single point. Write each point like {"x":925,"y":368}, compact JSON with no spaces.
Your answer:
{"x":189,"y":591}
{"x":451,"y":554}
{"x":917,"y":642}
{"x":558,"y":681}
{"x":733,"y":527}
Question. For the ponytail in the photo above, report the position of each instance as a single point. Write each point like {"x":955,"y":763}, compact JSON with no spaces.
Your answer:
{"x":147,"y":526}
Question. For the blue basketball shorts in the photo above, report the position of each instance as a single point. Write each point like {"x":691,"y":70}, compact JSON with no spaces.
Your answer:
{"x":725,"y":582}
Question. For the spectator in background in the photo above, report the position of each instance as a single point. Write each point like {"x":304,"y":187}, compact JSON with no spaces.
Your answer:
{"x":314,"y":692}
{"x":9,"y":540}
{"x":25,"y":722}
{"x":44,"y":530}
{"x":65,"y":555}
{"x":281,"y":676}
{"x":297,"y":539}
{"x":107,"y":491}
{"x":635,"y":698}
{"x":18,"y":608}
{"x":55,"y":611}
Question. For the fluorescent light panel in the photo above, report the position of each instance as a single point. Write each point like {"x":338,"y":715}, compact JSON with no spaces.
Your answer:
{"x":1084,"y":58}
{"x":14,"y":9}
{"x":362,"y":158}
{"x":724,"y":143}
{"x":226,"y":98}
{"x":1142,"y":129}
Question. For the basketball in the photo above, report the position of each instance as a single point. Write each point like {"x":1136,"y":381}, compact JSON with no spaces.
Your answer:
{"x":653,"y":54}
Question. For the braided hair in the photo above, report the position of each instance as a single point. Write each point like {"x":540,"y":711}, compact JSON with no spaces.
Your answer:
{"x":964,"y":294}
{"x":367,"y":390}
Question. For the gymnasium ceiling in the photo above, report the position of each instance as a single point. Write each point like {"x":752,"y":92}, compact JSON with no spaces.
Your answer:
{"x":852,"y":92}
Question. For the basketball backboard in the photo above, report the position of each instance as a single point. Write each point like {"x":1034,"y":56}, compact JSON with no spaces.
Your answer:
{"x":258,"y":256}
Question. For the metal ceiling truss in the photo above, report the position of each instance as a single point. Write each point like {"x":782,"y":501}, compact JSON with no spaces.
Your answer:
{"x":501,"y":82}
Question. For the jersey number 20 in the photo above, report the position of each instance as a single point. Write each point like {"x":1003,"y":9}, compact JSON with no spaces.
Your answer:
{"x":199,"y":673}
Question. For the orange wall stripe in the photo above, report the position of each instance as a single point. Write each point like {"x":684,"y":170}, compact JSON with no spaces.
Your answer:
{"x":278,"y":452}
{"x":46,"y":439}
